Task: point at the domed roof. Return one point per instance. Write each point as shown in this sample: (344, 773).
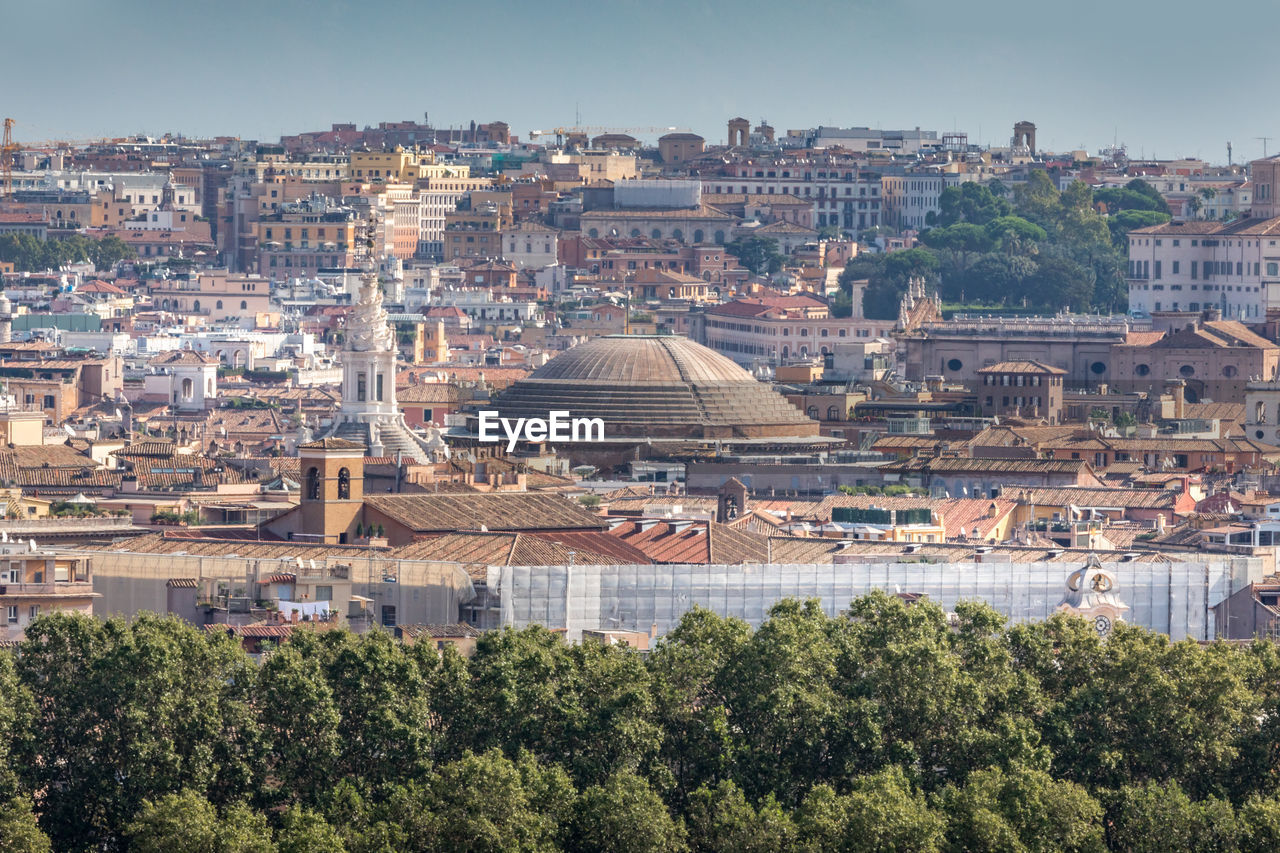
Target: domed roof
(655, 387)
(641, 360)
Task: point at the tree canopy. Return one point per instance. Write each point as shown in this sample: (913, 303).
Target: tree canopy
(30, 254)
(886, 727)
(1033, 247)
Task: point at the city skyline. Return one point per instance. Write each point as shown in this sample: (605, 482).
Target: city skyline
(693, 67)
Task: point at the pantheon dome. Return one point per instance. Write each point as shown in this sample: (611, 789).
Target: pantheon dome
(655, 387)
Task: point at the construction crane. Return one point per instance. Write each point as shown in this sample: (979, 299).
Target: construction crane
(560, 133)
(8, 148)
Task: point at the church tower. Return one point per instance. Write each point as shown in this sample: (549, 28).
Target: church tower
(332, 491)
(369, 414)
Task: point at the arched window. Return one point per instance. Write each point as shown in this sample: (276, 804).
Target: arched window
(678, 234)
(219, 304)
(195, 306)
(313, 484)
(697, 235)
(719, 236)
(243, 304)
(344, 484)
(593, 232)
(188, 390)
(813, 412)
(635, 232)
(833, 414)
(656, 234)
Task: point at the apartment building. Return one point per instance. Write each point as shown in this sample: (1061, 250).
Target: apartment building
(842, 195)
(1194, 265)
(33, 583)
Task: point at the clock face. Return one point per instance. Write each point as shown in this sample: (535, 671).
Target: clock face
(1102, 624)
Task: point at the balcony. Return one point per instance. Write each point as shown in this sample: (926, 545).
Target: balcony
(78, 589)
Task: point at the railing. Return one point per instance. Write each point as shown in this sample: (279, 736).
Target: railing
(23, 526)
(78, 588)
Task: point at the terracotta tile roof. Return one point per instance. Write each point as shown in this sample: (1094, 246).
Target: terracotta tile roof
(331, 444)
(458, 630)
(523, 549)
(428, 392)
(691, 541)
(173, 542)
(948, 464)
(1086, 498)
(1247, 227)
(1023, 367)
(183, 356)
(259, 631)
(182, 583)
(430, 513)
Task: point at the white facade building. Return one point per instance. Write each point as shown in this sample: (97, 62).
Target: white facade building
(530, 245)
(1193, 265)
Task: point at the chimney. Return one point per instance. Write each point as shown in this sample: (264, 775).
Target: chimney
(1160, 528)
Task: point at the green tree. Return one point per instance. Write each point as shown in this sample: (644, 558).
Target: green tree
(781, 699)
(188, 823)
(16, 713)
(305, 831)
(300, 723)
(624, 815)
(944, 700)
(1258, 820)
(971, 202)
(130, 711)
(882, 812)
(1022, 810)
(587, 706)
(720, 818)
(689, 671)
(1158, 817)
(758, 254)
(479, 803)
(378, 690)
(19, 830)
(1111, 705)
(109, 251)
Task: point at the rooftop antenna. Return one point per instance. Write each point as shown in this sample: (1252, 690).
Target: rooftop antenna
(1265, 140)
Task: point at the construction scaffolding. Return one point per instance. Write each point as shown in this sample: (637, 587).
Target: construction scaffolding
(1173, 597)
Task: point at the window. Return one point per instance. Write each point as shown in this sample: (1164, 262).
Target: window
(954, 364)
(1187, 370)
(1142, 369)
(313, 483)
(33, 611)
(1098, 368)
(12, 613)
(243, 304)
(344, 484)
(388, 615)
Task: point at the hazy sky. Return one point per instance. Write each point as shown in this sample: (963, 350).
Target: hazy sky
(1168, 78)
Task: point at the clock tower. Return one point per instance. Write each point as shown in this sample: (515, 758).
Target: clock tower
(1091, 595)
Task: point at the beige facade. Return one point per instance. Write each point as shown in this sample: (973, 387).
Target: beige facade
(34, 582)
